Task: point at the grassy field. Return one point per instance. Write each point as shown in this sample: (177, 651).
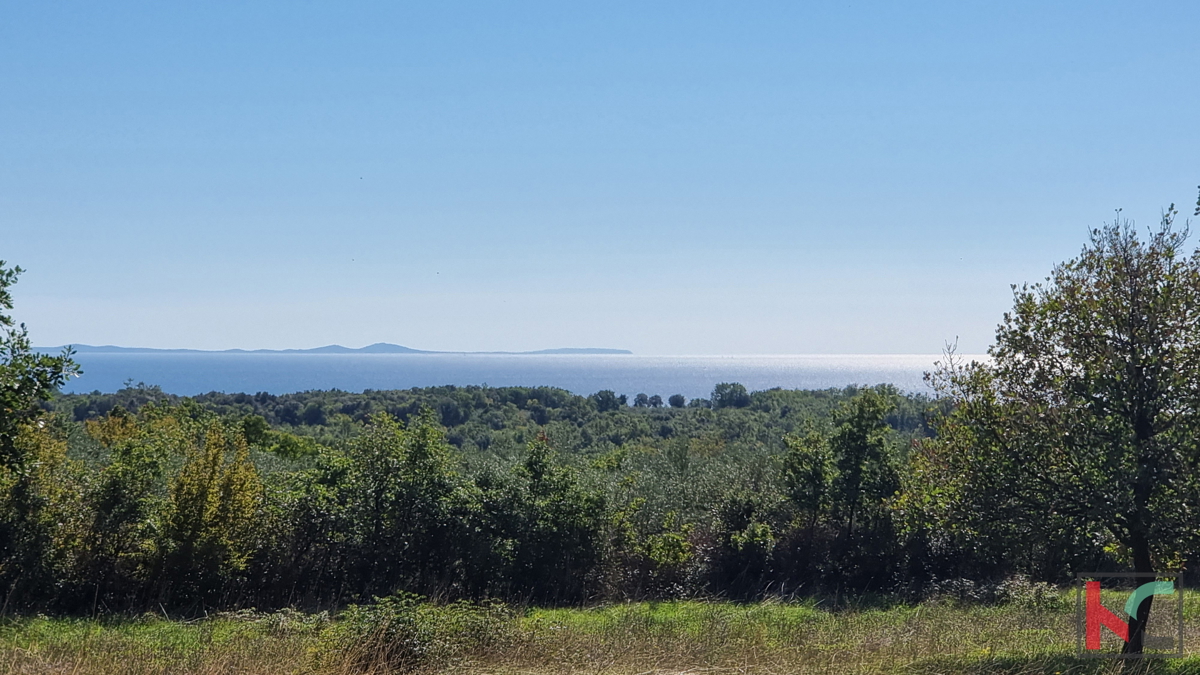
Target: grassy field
(632, 639)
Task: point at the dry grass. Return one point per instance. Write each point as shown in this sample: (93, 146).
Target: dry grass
(635, 639)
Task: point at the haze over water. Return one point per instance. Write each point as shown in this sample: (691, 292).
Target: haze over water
(692, 376)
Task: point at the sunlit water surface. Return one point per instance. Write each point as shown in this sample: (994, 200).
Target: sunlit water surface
(692, 376)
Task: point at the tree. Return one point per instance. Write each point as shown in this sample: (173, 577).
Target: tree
(864, 459)
(607, 399)
(656, 401)
(30, 456)
(39, 514)
(730, 395)
(1088, 417)
(641, 401)
(677, 401)
(122, 501)
(842, 480)
(808, 469)
(400, 492)
(546, 526)
(214, 507)
(26, 377)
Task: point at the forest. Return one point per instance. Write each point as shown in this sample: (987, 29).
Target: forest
(529, 495)
(536, 495)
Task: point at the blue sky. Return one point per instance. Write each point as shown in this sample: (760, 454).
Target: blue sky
(671, 178)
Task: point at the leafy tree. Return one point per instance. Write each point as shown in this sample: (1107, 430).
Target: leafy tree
(843, 479)
(606, 400)
(313, 414)
(656, 401)
(864, 456)
(730, 395)
(551, 525)
(746, 542)
(641, 401)
(808, 470)
(1088, 416)
(399, 491)
(26, 377)
(256, 430)
(214, 507)
(259, 435)
(31, 457)
(123, 503)
(39, 513)
(677, 401)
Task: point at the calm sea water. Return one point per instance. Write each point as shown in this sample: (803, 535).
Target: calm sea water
(692, 376)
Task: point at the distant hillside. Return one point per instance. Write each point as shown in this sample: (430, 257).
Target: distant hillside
(377, 348)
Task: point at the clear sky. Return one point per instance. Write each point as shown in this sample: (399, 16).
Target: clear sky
(666, 177)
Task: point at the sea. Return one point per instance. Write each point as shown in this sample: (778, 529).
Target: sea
(193, 373)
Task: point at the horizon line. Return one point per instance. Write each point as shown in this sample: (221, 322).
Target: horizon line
(404, 350)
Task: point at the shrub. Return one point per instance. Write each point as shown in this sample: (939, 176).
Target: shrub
(1015, 590)
(402, 633)
(1031, 595)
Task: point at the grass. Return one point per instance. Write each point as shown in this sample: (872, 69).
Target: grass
(627, 639)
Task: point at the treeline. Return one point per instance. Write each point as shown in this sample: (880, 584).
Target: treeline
(502, 420)
(140, 500)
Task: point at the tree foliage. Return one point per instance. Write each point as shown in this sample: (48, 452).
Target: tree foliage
(33, 465)
(26, 376)
(730, 395)
(1087, 419)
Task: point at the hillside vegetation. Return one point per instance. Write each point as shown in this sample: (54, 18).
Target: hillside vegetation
(319, 499)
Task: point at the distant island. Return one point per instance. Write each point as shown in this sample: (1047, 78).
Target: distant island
(377, 348)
